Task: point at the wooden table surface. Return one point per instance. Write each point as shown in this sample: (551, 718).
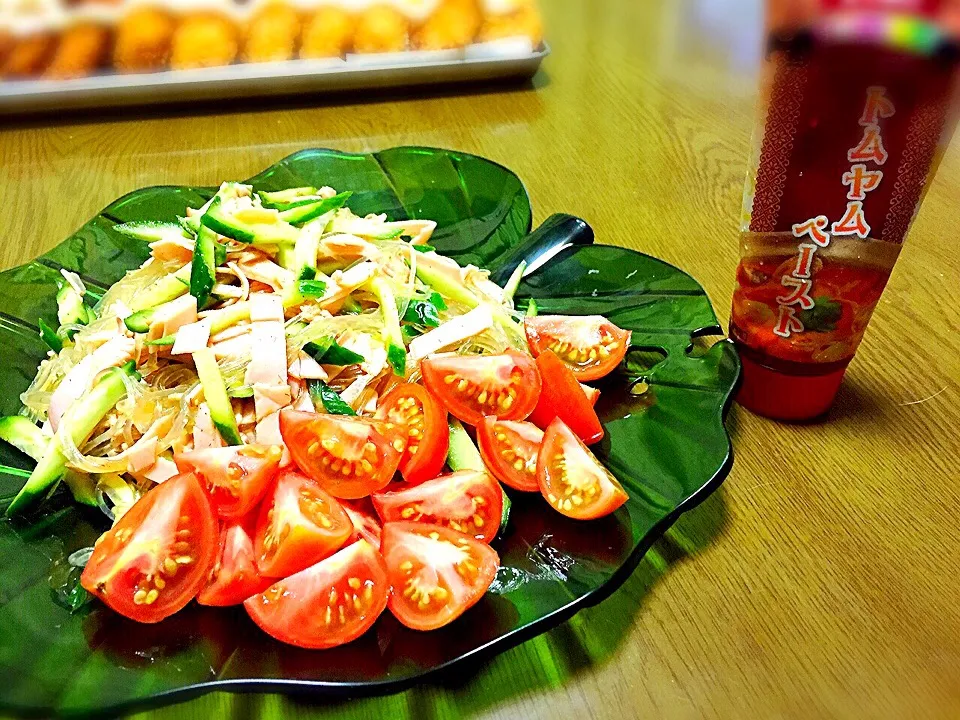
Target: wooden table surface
(821, 580)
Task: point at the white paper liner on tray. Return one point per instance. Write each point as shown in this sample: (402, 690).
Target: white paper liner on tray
(511, 47)
(406, 57)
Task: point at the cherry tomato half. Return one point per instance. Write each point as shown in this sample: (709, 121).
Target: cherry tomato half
(572, 480)
(425, 420)
(327, 604)
(590, 345)
(235, 477)
(436, 573)
(563, 397)
(156, 558)
(471, 386)
(509, 449)
(299, 525)
(234, 576)
(350, 457)
(468, 501)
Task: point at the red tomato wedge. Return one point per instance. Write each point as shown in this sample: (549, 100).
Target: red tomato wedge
(350, 457)
(468, 501)
(590, 345)
(156, 558)
(572, 480)
(300, 524)
(471, 386)
(366, 525)
(236, 478)
(592, 394)
(234, 576)
(436, 573)
(425, 421)
(327, 604)
(563, 397)
(509, 449)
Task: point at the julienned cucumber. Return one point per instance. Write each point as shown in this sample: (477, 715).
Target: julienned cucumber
(71, 309)
(167, 288)
(151, 230)
(284, 198)
(218, 219)
(463, 455)
(396, 352)
(307, 212)
(30, 440)
(215, 393)
(203, 273)
(79, 420)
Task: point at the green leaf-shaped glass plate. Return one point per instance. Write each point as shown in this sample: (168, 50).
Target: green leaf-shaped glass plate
(665, 441)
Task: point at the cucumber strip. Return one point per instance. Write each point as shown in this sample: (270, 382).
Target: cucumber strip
(243, 391)
(203, 272)
(139, 322)
(283, 198)
(151, 230)
(165, 341)
(510, 289)
(396, 351)
(463, 454)
(329, 399)
(79, 420)
(532, 308)
(81, 486)
(305, 213)
(254, 233)
(425, 311)
(167, 288)
(286, 257)
(49, 336)
(24, 435)
(215, 393)
(328, 351)
(423, 248)
(311, 288)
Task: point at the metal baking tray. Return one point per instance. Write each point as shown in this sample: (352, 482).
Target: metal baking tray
(294, 77)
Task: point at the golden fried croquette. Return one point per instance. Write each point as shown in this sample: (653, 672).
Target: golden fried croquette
(204, 39)
(454, 24)
(381, 29)
(524, 21)
(143, 40)
(29, 56)
(328, 32)
(273, 33)
(82, 49)
(7, 43)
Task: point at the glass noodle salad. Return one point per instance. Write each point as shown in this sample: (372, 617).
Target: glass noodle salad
(271, 412)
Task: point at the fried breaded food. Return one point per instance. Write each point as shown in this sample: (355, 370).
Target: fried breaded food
(143, 40)
(381, 29)
(328, 32)
(524, 21)
(454, 24)
(29, 56)
(273, 33)
(205, 39)
(7, 43)
(82, 50)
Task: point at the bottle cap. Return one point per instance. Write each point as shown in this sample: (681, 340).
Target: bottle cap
(785, 396)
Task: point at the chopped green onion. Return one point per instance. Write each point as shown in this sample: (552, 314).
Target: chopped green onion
(312, 288)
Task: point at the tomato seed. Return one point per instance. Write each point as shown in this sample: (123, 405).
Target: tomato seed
(406, 566)
(354, 583)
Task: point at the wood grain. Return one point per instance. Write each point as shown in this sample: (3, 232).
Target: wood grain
(821, 581)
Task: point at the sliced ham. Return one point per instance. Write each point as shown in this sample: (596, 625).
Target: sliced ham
(205, 434)
(162, 470)
(191, 338)
(174, 248)
(268, 399)
(113, 353)
(373, 351)
(348, 247)
(268, 433)
(237, 346)
(268, 355)
(304, 403)
(351, 394)
(266, 307)
(452, 332)
(171, 316)
(259, 268)
(144, 456)
(342, 283)
(120, 310)
(306, 368)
